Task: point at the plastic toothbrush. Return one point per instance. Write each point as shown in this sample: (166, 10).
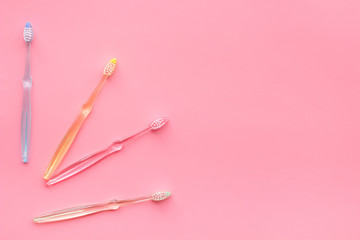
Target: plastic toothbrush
(90, 160)
(72, 132)
(26, 105)
(95, 208)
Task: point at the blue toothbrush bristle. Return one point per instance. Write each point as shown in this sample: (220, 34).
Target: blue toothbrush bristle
(28, 32)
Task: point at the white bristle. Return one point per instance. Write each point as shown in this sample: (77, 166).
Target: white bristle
(28, 33)
(158, 123)
(159, 196)
(110, 67)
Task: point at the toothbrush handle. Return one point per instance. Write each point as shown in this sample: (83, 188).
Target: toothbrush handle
(77, 212)
(72, 132)
(85, 163)
(26, 123)
(65, 143)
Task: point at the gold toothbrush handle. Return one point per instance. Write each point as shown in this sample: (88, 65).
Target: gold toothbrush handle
(88, 209)
(64, 145)
(77, 212)
(72, 132)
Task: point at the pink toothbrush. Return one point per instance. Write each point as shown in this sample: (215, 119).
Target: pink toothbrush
(95, 208)
(96, 157)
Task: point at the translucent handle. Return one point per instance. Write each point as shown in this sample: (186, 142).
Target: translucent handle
(77, 212)
(26, 123)
(65, 144)
(72, 132)
(83, 164)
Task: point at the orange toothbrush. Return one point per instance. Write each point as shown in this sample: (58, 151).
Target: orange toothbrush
(74, 129)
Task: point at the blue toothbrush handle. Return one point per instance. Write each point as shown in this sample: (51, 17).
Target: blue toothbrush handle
(26, 123)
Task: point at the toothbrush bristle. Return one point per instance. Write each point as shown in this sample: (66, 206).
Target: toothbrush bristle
(158, 123)
(28, 33)
(110, 67)
(159, 196)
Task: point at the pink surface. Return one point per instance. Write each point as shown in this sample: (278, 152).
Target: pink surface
(263, 100)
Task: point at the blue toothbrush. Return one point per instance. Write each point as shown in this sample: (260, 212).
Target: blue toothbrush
(26, 105)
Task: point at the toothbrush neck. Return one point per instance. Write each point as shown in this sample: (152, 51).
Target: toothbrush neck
(133, 137)
(27, 61)
(95, 93)
(134, 200)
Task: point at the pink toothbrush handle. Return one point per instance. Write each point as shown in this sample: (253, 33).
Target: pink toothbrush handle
(77, 212)
(85, 163)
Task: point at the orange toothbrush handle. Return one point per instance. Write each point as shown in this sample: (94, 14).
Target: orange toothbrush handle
(64, 145)
(72, 132)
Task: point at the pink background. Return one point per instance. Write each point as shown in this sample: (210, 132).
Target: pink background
(263, 100)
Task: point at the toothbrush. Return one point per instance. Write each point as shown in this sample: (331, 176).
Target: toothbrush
(95, 208)
(90, 160)
(26, 105)
(72, 132)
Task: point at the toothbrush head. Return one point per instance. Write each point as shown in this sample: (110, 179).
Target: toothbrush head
(159, 196)
(110, 67)
(158, 123)
(28, 33)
